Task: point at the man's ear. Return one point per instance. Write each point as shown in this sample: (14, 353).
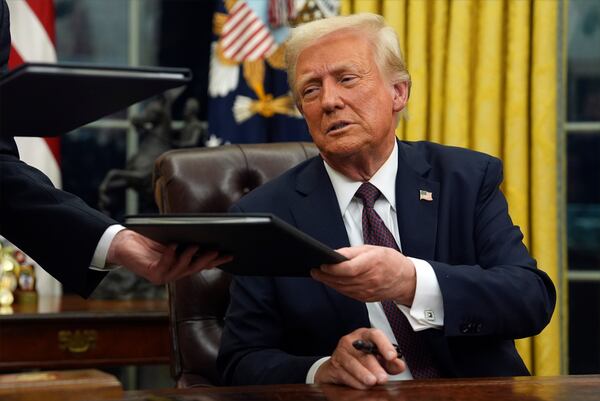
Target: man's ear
(299, 106)
(400, 95)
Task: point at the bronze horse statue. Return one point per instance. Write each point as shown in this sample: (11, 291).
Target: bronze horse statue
(154, 128)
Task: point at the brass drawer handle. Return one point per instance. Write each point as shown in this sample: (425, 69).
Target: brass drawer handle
(77, 342)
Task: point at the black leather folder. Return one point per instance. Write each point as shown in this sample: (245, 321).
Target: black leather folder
(41, 99)
(261, 244)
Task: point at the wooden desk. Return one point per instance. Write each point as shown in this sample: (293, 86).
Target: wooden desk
(70, 332)
(561, 388)
(64, 385)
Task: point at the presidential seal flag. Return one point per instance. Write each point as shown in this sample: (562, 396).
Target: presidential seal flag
(249, 98)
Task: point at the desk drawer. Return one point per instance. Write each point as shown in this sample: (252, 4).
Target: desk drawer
(61, 343)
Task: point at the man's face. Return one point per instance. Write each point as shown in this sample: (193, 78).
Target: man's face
(348, 104)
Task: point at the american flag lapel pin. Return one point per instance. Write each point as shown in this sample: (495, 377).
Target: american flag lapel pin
(425, 195)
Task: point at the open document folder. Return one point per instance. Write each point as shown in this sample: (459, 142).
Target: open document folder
(261, 244)
(40, 99)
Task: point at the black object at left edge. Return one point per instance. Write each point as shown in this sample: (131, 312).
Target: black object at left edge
(42, 99)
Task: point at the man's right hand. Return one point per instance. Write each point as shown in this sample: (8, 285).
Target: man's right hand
(156, 262)
(358, 369)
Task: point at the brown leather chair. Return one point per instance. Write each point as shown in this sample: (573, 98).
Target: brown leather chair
(202, 180)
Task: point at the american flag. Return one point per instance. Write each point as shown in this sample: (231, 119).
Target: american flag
(32, 40)
(281, 11)
(245, 36)
(425, 195)
(32, 36)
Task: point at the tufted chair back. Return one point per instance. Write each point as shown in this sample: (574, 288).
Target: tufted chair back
(206, 180)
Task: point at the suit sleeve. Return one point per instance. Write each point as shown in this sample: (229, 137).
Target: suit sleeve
(57, 229)
(253, 341)
(503, 295)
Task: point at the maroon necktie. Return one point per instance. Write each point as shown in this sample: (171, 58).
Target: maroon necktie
(410, 342)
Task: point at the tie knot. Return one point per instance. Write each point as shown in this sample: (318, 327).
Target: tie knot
(368, 193)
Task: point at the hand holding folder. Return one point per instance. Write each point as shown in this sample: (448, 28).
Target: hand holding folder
(52, 99)
(261, 244)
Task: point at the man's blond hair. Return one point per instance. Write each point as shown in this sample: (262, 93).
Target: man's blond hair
(388, 55)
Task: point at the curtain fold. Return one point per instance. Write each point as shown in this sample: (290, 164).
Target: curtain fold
(516, 135)
(439, 17)
(485, 76)
(543, 196)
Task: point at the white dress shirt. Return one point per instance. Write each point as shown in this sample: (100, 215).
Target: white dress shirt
(427, 309)
(99, 258)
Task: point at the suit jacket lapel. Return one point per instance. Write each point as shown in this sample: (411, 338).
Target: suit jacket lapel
(317, 213)
(417, 218)
(316, 210)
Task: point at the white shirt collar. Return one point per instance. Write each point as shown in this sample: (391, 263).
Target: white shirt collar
(384, 179)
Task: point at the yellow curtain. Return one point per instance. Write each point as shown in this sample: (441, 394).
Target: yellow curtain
(485, 76)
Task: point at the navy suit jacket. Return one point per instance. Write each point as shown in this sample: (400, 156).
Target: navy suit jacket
(276, 328)
(57, 229)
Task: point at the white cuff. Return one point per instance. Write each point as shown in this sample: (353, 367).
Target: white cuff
(99, 258)
(427, 310)
(310, 376)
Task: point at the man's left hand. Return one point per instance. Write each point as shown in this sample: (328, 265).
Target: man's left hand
(372, 273)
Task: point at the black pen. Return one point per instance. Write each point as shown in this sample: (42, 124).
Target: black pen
(369, 348)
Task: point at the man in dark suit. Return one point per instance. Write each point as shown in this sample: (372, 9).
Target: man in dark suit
(70, 240)
(445, 273)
